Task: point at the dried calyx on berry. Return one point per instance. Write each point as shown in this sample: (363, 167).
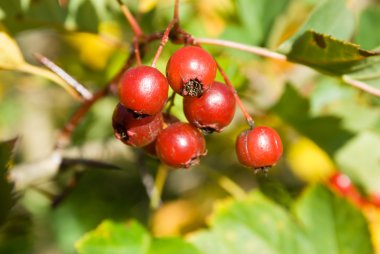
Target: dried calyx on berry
(191, 71)
(134, 131)
(213, 111)
(143, 90)
(259, 148)
(180, 145)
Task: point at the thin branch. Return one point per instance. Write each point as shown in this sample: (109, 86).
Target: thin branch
(136, 50)
(251, 49)
(361, 85)
(243, 109)
(164, 40)
(159, 183)
(131, 20)
(176, 10)
(146, 178)
(78, 87)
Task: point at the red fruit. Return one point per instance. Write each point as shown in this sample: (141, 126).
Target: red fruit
(212, 111)
(259, 148)
(180, 145)
(134, 131)
(190, 71)
(343, 185)
(144, 90)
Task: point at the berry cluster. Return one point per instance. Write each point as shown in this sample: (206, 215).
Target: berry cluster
(209, 106)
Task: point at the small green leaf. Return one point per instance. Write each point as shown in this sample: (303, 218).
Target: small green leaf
(10, 54)
(112, 238)
(172, 246)
(329, 17)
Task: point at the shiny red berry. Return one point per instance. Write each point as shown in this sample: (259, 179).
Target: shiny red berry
(190, 71)
(180, 145)
(144, 90)
(259, 148)
(134, 131)
(213, 111)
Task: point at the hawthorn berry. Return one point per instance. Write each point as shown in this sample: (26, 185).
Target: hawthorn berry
(134, 131)
(213, 111)
(259, 148)
(143, 90)
(180, 145)
(190, 71)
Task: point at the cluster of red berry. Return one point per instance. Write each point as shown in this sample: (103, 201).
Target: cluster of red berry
(208, 105)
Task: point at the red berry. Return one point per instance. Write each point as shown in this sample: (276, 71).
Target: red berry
(212, 111)
(259, 148)
(144, 90)
(190, 71)
(180, 145)
(134, 131)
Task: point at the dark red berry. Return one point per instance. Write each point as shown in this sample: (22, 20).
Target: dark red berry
(144, 90)
(259, 148)
(190, 71)
(180, 145)
(134, 131)
(212, 111)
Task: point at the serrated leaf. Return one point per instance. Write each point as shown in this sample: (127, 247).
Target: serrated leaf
(325, 131)
(110, 237)
(10, 54)
(329, 17)
(322, 223)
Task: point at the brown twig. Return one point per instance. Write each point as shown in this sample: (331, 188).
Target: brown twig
(136, 50)
(131, 20)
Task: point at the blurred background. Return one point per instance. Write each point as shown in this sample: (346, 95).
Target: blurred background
(327, 127)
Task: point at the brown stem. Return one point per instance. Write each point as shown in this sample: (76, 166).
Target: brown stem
(164, 40)
(81, 90)
(243, 109)
(136, 50)
(131, 20)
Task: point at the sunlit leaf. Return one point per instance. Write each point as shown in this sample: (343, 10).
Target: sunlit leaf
(10, 54)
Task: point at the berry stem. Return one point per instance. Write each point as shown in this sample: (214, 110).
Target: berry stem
(243, 109)
(78, 87)
(131, 20)
(164, 40)
(159, 183)
(361, 85)
(252, 49)
(171, 103)
(136, 50)
(176, 10)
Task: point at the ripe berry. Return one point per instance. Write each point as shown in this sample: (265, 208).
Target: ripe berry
(180, 145)
(190, 71)
(133, 131)
(144, 90)
(212, 111)
(259, 148)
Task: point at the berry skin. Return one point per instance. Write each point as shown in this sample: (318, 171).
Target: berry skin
(213, 111)
(259, 148)
(190, 71)
(180, 145)
(144, 90)
(136, 132)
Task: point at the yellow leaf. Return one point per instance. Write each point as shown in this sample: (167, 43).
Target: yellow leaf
(10, 54)
(309, 162)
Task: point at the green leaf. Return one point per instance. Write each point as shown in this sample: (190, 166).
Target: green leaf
(10, 54)
(326, 131)
(334, 57)
(330, 17)
(332, 224)
(7, 200)
(110, 237)
(367, 35)
(321, 223)
(360, 159)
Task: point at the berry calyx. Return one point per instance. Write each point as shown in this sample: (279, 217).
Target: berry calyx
(143, 90)
(213, 111)
(191, 71)
(180, 145)
(134, 131)
(259, 148)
